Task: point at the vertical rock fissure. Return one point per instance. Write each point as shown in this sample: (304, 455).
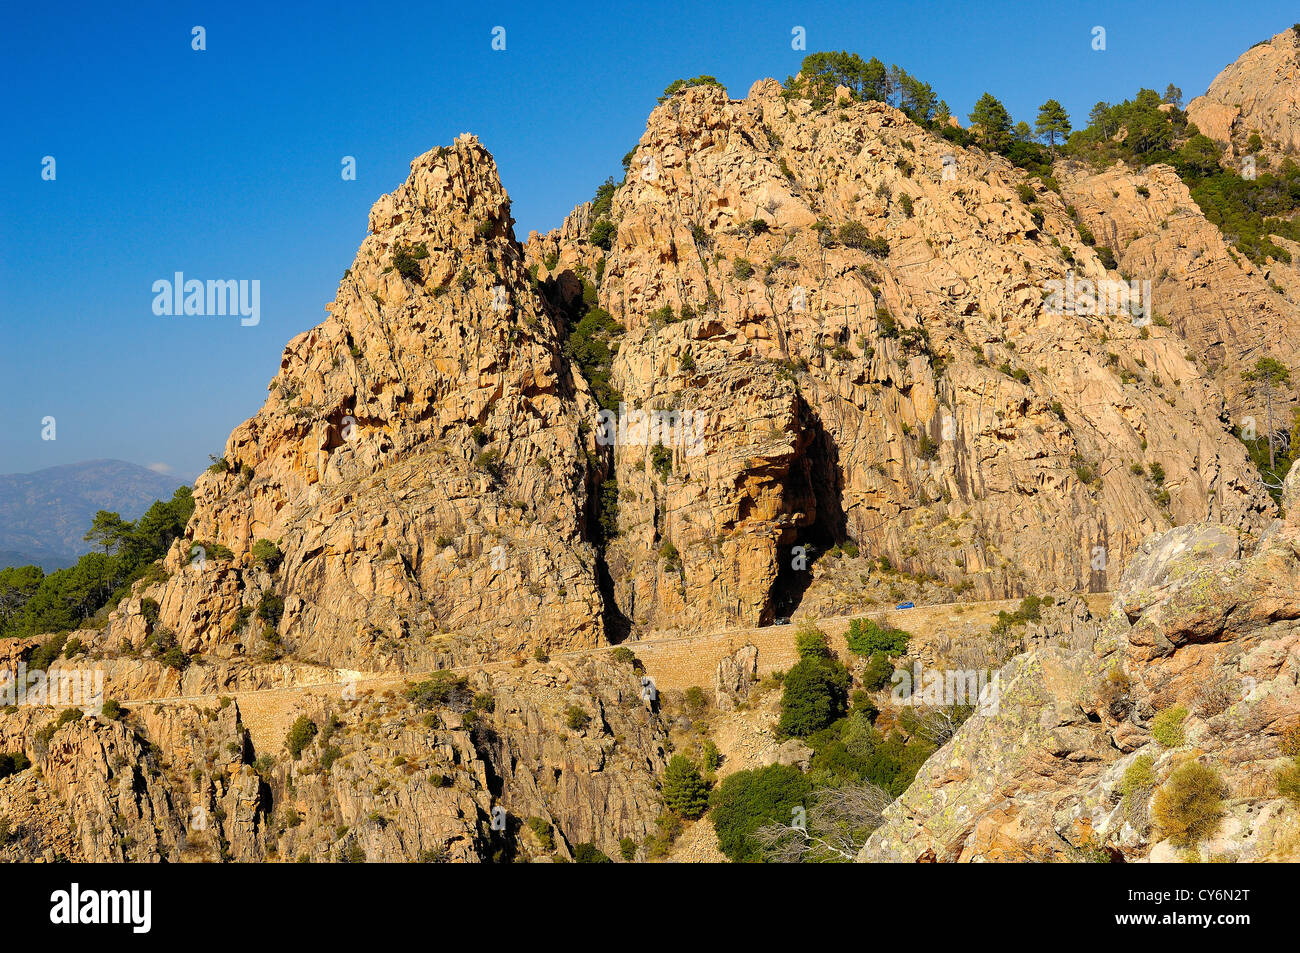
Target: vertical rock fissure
(814, 491)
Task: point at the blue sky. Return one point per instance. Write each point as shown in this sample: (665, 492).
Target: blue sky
(226, 163)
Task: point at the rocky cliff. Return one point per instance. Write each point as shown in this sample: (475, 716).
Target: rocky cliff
(1229, 312)
(1196, 663)
(1258, 93)
(860, 313)
(383, 777)
(419, 461)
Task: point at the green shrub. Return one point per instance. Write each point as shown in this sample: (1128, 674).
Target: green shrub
(45, 653)
(602, 234)
(888, 326)
(696, 701)
(661, 460)
(441, 689)
(270, 608)
(1187, 807)
(627, 848)
(268, 554)
(878, 672)
(815, 693)
(747, 800)
(590, 854)
(625, 656)
(489, 461)
(111, 709)
(812, 643)
(1139, 778)
(711, 755)
(160, 640)
(175, 658)
(13, 762)
(407, 258)
(867, 638)
(542, 829)
(677, 85)
(576, 719)
(217, 552)
(300, 735)
(685, 792)
(853, 235)
(327, 758)
(1167, 726)
(661, 316)
(1031, 607)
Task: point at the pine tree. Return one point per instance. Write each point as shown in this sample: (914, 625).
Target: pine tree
(1099, 117)
(994, 122)
(1052, 121)
(685, 792)
(1268, 373)
(108, 530)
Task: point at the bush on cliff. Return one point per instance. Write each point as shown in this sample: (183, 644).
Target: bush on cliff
(816, 693)
(685, 792)
(1188, 807)
(747, 800)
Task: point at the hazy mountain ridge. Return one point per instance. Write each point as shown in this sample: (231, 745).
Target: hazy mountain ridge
(45, 514)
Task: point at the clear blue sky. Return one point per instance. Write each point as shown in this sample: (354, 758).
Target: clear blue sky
(226, 163)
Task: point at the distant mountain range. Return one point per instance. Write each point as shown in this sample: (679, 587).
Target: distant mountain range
(44, 515)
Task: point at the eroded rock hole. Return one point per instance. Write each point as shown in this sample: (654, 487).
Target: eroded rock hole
(814, 490)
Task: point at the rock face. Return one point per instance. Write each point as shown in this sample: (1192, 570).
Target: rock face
(1050, 774)
(736, 674)
(418, 461)
(383, 780)
(1229, 312)
(857, 321)
(1260, 92)
(414, 495)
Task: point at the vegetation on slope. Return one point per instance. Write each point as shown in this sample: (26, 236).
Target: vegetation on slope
(32, 602)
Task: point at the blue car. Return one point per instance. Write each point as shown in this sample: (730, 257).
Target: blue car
(905, 605)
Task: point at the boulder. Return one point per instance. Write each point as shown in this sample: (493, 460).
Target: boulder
(735, 674)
